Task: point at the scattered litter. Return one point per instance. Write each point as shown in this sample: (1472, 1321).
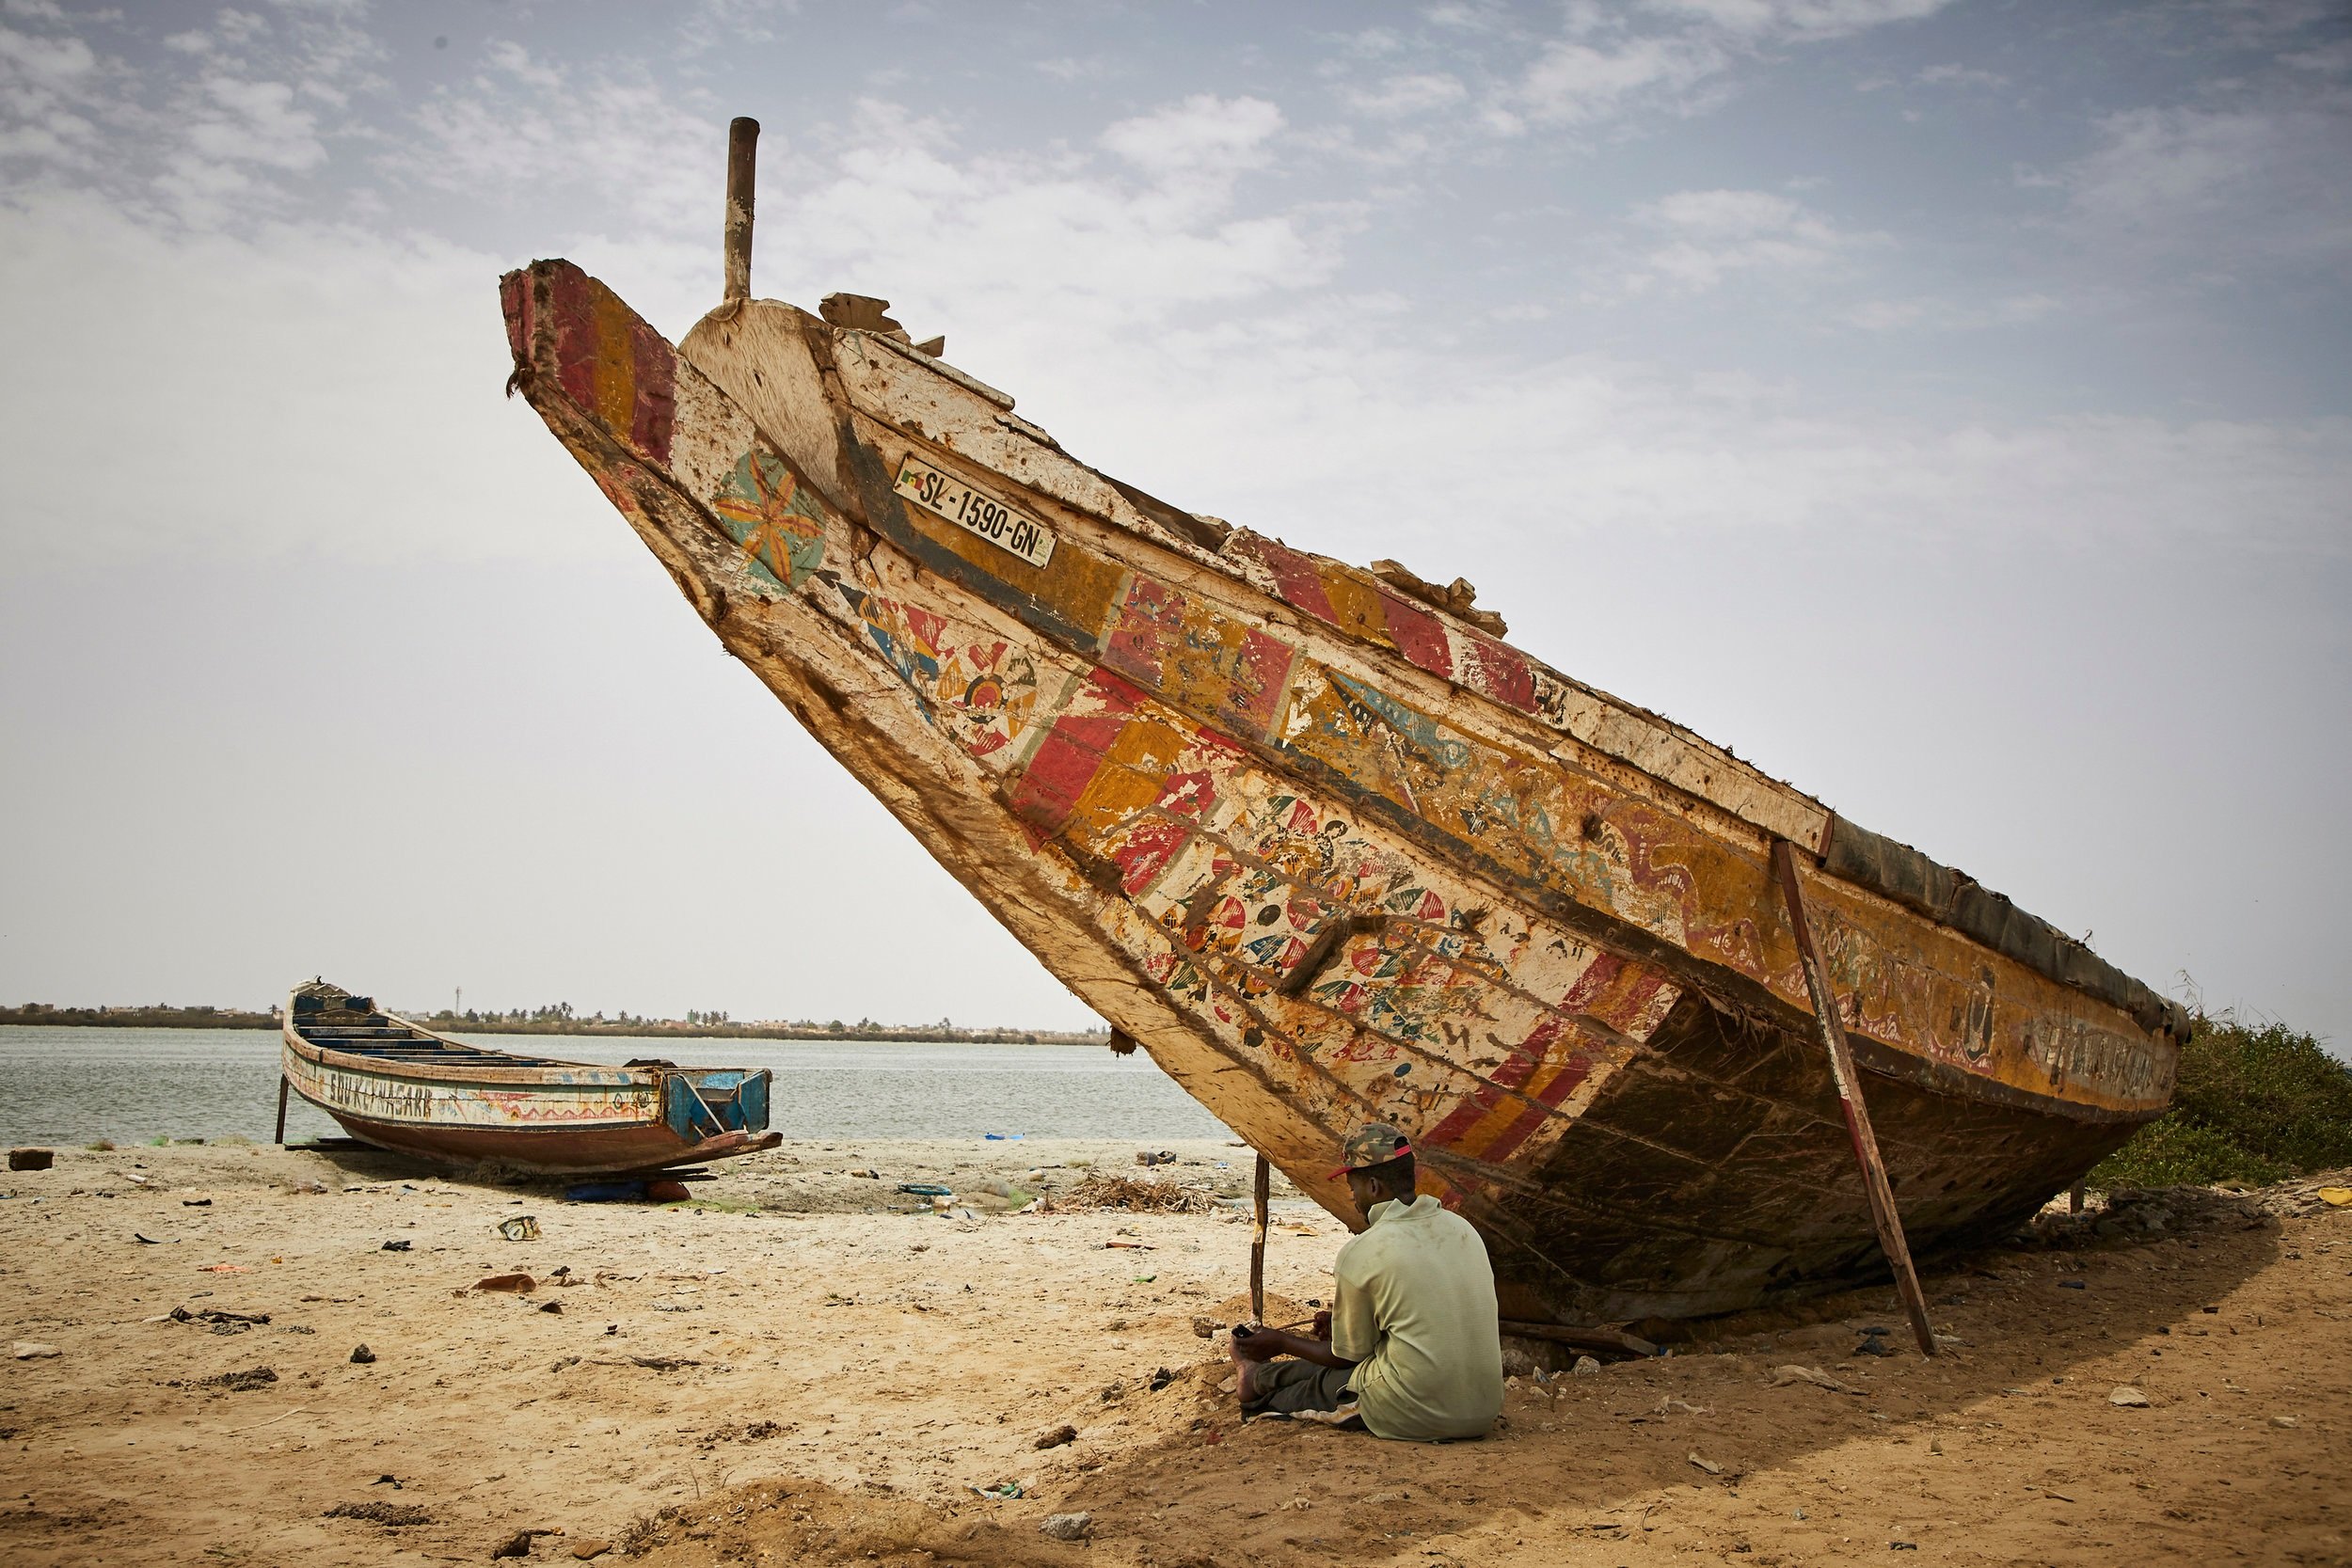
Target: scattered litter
(590, 1548)
(1004, 1137)
(2128, 1397)
(1067, 1526)
(1143, 1279)
(664, 1363)
(361, 1356)
(1004, 1491)
(1102, 1190)
(2335, 1197)
(400, 1245)
(1873, 1343)
(196, 1203)
(1707, 1464)
(145, 1241)
(393, 1515)
(2289, 1421)
(1145, 1157)
(31, 1158)
(222, 1268)
(386, 1480)
(32, 1350)
(1672, 1407)
(520, 1228)
(677, 1305)
(550, 1307)
(519, 1283)
(1783, 1376)
(1131, 1246)
(667, 1192)
(2072, 1285)
(1056, 1439)
(927, 1189)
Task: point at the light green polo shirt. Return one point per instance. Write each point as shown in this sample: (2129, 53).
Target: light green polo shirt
(1415, 1310)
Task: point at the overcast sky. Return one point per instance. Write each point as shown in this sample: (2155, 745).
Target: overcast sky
(1946, 405)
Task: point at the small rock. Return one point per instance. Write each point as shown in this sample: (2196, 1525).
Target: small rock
(1067, 1526)
(1204, 1328)
(1585, 1366)
(31, 1158)
(361, 1356)
(400, 1245)
(1707, 1464)
(28, 1350)
(245, 1381)
(516, 1545)
(1056, 1439)
(550, 1307)
(2287, 1420)
(590, 1547)
(396, 1515)
(2128, 1397)
(311, 1189)
(520, 1284)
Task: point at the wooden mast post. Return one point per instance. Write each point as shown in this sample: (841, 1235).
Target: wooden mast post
(1257, 1243)
(742, 160)
(281, 1110)
(1866, 1147)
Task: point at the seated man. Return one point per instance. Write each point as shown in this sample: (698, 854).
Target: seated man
(1413, 1341)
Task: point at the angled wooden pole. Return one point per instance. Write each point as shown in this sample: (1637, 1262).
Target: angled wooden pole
(281, 1110)
(1257, 1244)
(742, 162)
(1865, 1145)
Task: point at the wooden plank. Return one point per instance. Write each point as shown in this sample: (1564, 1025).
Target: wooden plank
(742, 162)
(1257, 1242)
(1865, 1148)
(1610, 1341)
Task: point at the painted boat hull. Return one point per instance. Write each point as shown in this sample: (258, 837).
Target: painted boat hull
(1331, 851)
(389, 1082)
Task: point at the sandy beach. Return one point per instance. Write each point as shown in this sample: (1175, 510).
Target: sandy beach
(786, 1371)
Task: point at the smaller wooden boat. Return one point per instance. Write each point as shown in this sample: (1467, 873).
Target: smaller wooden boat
(402, 1088)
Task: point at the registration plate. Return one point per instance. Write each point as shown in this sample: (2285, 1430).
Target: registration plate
(991, 519)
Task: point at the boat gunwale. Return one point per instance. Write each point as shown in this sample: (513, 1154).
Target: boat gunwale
(2068, 961)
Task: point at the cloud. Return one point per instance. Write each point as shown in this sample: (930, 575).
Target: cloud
(1204, 134)
(1690, 241)
(2223, 190)
(1798, 19)
(1410, 94)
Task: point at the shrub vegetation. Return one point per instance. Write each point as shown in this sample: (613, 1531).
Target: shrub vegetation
(2257, 1102)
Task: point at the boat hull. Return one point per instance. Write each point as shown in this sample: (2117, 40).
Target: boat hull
(1330, 856)
(401, 1087)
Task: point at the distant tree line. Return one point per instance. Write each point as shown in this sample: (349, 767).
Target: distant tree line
(560, 1017)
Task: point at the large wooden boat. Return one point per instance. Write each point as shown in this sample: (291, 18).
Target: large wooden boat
(1329, 848)
(403, 1087)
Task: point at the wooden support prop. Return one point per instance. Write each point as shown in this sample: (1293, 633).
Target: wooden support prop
(281, 1110)
(2075, 1199)
(1865, 1144)
(1257, 1243)
(742, 160)
(1597, 1342)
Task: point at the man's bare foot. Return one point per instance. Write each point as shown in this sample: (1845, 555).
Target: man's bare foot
(1245, 1367)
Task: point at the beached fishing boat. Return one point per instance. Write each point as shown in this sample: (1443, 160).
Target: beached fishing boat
(403, 1087)
(1331, 849)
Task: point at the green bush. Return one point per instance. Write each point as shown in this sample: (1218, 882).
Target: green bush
(2256, 1103)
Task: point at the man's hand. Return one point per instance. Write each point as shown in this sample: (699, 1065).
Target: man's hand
(1323, 1325)
(1260, 1344)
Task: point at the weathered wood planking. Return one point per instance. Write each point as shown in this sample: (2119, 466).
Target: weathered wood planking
(1328, 852)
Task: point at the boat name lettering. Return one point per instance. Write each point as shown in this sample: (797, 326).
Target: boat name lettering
(968, 509)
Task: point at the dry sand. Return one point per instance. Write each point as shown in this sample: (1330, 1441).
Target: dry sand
(828, 1380)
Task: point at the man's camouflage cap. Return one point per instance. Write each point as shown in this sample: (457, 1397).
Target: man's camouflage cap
(1372, 1142)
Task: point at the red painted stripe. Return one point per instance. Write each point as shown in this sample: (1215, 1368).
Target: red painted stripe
(1295, 578)
(1472, 1107)
(656, 384)
(1072, 753)
(1417, 635)
(1563, 1083)
(1499, 672)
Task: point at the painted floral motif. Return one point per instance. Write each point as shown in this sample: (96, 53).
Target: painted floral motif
(764, 508)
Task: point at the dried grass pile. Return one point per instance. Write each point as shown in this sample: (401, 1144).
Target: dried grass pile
(1136, 1193)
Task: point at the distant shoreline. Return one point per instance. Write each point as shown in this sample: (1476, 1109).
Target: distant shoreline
(37, 1014)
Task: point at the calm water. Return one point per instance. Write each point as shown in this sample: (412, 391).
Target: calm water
(74, 1085)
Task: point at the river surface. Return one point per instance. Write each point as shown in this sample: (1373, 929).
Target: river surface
(73, 1087)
